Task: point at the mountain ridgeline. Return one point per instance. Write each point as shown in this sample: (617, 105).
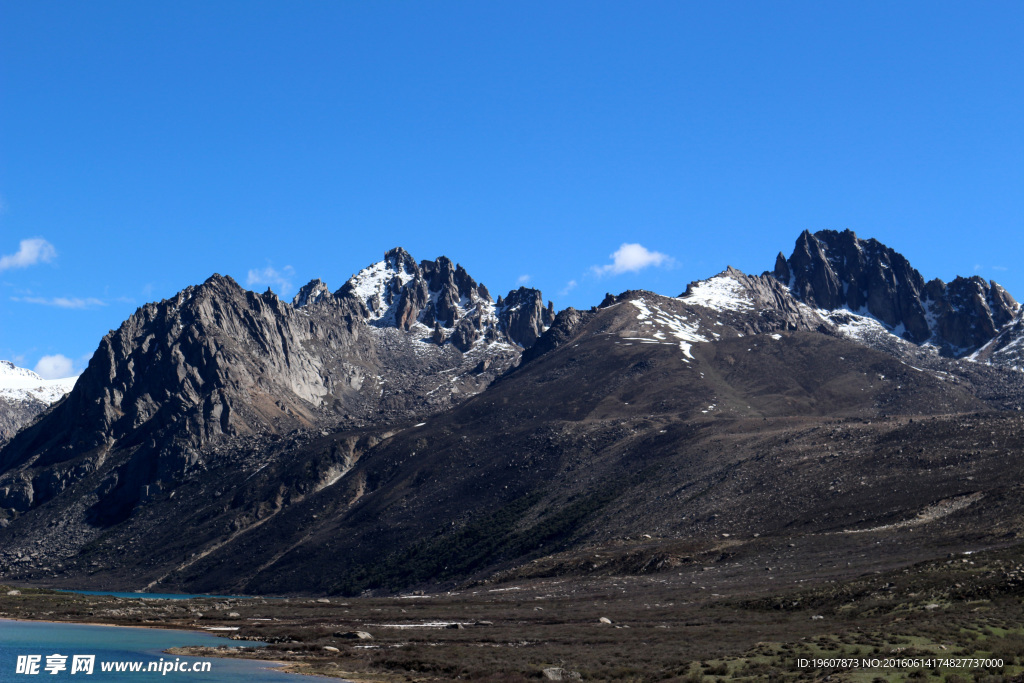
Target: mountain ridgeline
(408, 429)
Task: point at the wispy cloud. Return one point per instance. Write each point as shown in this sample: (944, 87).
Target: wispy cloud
(999, 268)
(56, 366)
(30, 252)
(61, 301)
(523, 279)
(270, 276)
(632, 258)
(569, 286)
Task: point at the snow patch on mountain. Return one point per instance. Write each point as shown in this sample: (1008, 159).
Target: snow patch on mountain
(720, 293)
(679, 326)
(377, 287)
(861, 326)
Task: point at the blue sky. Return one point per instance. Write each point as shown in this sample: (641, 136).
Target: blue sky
(145, 146)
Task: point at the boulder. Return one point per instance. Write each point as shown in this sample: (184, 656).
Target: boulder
(353, 635)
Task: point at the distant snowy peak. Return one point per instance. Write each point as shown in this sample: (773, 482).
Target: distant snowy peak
(21, 384)
(439, 300)
(832, 270)
(9, 372)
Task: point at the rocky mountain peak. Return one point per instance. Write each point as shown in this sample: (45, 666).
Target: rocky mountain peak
(398, 259)
(444, 303)
(832, 270)
(314, 292)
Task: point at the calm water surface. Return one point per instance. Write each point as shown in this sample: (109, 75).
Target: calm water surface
(119, 644)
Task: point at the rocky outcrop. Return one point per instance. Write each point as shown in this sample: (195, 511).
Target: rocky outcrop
(833, 270)
(15, 414)
(524, 317)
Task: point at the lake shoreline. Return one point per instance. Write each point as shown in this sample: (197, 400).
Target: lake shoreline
(239, 652)
(150, 644)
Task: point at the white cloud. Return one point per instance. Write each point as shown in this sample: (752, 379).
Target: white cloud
(632, 258)
(55, 367)
(523, 279)
(270, 276)
(999, 268)
(61, 301)
(569, 286)
(30, 252)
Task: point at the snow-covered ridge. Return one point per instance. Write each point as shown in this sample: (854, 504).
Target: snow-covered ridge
(20, 384)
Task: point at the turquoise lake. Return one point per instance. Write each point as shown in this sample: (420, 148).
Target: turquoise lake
(113, 644)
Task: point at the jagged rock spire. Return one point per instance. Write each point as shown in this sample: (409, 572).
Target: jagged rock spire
(312, 293)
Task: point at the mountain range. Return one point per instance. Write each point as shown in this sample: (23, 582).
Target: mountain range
(409, 430)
